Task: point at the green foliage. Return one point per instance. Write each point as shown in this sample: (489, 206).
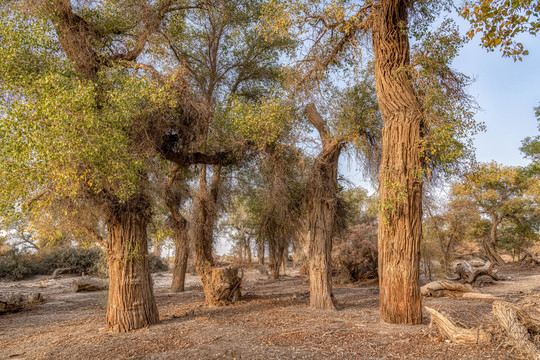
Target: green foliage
(263, 122)
(16, 265)
(449, 123)
(500, 21)
(64, 136)
(507, 196)
(530, 147)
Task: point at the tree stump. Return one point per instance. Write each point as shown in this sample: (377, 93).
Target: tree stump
(13, 302)
(88, 284)
(222, 286)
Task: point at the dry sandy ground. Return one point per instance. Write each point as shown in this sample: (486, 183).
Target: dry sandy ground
(272, 321)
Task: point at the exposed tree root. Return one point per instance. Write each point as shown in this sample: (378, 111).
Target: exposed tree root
(456, 334)
(518, 323)
(515, 323)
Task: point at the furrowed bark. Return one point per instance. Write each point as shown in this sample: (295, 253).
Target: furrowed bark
(322, 199)
(131, 304)
(400, 215)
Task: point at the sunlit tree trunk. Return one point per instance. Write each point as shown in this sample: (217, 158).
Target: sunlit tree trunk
(322, 200)
(400, 185)
(490, 244)
(131, 304)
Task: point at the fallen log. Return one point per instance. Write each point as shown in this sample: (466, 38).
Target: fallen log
(13, 302)
(510, 318)
(57, 272)
(457, 334)
(470, 273)
(445, 288)
(88, 284)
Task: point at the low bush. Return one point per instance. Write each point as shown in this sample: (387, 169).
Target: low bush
(356, 258)
(157, 263)
(15, 265)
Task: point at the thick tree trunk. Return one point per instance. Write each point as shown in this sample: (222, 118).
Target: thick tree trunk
(322, 199)
(400, 215)
(490, 244)
(131, 303)
(181, 254)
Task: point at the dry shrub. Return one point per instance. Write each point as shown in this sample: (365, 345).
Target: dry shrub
(304, 269)
(355, 258)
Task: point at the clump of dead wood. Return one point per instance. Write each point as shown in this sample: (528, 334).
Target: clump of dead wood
(469, 273)
(518, 325)
(13, 302)
(530, 259)
(452, 289)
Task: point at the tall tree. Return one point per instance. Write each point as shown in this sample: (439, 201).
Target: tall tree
(338, 28)
(499, 193)
(322, 191)
(227, 61)
(83, 120)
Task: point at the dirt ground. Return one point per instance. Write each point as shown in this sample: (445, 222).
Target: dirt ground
(272, 321)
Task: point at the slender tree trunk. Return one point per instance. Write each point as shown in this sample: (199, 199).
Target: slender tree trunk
(131, 303)
(322, 199)
(260, 251)
(490, 244)
(181, 254)
(400, 192)
(248, 249)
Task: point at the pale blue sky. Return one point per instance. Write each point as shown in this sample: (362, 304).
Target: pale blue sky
(506, 91)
